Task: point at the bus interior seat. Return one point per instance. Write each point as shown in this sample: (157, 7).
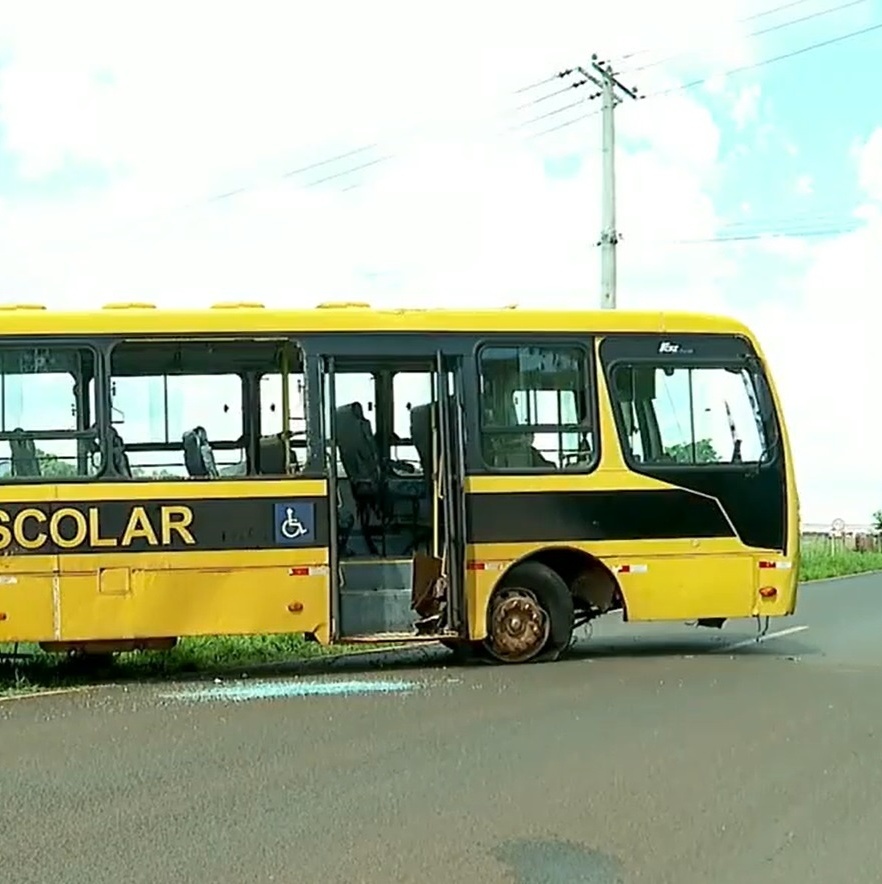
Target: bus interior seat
(421, 433)
(272, 455)
(358, 449)
(511, 451)
(372, 490)
(23, 455)
(361, 460)
(504, 450)
(118, 455)
(585, 452)
(198, 456)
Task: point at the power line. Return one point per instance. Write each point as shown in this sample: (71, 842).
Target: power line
(749, 67)
(809, 233)
(548, 130)
(557, 92)
(692, 84)
(804, 225)
(752, 17)
(292, 172)
(541, 83)
(557, 110)
(845, 216)
(336, 158)
(763, 13)
(768, 30)
(563, 125)
(366, 165)
(562, 109)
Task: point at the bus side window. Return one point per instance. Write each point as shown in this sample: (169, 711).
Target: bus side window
(535, 412)
(48, 391)
(411, 392)
(208, 409)
(272, 421)
(153, 413)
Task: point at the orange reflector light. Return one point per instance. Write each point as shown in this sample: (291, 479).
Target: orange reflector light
(295, 607)
(768, 592)
(2, 615)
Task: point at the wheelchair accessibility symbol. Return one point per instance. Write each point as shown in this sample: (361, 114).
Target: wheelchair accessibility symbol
(292, 527)
(294, 523)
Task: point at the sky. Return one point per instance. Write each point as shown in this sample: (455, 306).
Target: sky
(186, 155)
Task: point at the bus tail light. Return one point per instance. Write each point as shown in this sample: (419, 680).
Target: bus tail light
(768, 592)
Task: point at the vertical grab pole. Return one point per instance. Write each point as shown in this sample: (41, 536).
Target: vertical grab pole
(437, 464)
(329, 442)
(286, 407)
(458, 498)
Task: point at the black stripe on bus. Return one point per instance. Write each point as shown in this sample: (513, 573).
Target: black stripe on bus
(118, 526)
(569, 516)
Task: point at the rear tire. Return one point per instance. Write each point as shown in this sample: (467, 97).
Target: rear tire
(464, 651)
(530, 617)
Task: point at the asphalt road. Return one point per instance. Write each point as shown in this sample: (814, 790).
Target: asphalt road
(650, 755)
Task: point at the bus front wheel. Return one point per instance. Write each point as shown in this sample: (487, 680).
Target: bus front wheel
(530, 615)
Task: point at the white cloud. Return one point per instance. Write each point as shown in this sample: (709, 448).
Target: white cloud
(188, 101)
(824, 352)
(746, 105)
(870, 165)
(183, 103)
(805, 185)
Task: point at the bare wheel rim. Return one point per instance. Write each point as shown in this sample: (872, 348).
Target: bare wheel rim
(519, 626)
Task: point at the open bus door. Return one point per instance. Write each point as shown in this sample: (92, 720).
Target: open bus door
(396, 552)
(438, 580)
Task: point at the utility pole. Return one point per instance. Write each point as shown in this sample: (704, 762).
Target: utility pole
(611, 92)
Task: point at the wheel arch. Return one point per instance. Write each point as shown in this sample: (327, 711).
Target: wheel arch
(593, 585)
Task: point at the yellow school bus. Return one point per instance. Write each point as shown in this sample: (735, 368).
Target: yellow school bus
(490, 479)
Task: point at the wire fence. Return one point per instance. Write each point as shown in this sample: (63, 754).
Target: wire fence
(848, 541)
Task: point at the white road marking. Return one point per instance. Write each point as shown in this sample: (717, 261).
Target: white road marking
(746, 643)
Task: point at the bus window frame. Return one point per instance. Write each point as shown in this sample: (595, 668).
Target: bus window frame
(306, 471)
(584, 344)
(94, 345)
(772, 452)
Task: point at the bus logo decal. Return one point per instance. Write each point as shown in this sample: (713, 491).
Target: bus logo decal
(294, 523)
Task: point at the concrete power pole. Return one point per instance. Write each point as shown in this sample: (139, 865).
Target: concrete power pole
(611, 90)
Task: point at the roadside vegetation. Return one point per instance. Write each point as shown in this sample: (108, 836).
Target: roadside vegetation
(32, 670)
(822, 560)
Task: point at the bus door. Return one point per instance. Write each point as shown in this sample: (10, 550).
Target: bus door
(451, 486)
(394, 448)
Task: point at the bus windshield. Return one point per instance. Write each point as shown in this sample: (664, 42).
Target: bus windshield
(687, 411)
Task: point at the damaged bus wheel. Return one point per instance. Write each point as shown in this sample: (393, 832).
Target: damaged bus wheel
(530, 616)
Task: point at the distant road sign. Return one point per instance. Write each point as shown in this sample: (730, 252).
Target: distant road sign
(838, 526)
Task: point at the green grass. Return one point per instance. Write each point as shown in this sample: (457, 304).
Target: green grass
(42, 671)
(39, 670)
(819, 562)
